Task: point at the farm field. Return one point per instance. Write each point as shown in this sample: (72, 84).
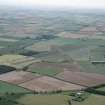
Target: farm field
(47, 45)
(82, 78)
(10, 58)
(45, 83)
(10, 88)
(47, 57)
(18, 77)
(51, 99)
(6, 41)
(98, 54)
(51, 68)
(15, 60)
(44, 99)
(89, 67)
(92, 100)
(37, 82)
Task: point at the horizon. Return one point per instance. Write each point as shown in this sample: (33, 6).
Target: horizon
(65, 4)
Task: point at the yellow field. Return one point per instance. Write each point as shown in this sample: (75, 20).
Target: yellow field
(8, 59)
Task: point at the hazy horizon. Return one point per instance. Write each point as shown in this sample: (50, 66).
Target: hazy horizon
(90, 4)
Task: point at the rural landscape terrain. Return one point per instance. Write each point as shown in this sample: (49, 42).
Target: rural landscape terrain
(50, 57)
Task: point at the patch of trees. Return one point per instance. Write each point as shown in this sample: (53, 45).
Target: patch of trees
(94, 91)
(46, 37)
(29, 53)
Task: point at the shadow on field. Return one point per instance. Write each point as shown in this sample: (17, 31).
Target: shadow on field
(5, 69)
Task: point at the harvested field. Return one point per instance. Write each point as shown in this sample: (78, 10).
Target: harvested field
(10, 58)
(17, 77)
(15, 60)
(82, 78)
(46, 83)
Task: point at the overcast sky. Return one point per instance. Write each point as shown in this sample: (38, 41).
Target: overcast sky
(57, 3)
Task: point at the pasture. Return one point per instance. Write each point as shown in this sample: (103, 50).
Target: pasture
(10, 88)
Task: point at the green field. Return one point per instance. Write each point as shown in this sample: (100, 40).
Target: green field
(44, 99)
(6, 44)
(6, 41)
(86, 66)
(9, 88)
(45, 71)
(98, 54)
(45, 45)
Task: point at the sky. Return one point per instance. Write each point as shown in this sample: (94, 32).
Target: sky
(57, 3)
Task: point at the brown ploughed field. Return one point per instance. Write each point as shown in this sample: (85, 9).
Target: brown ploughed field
(46, 83)
(82, 78)
(57, 66)
(17, 77)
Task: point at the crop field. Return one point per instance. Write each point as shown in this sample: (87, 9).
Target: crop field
(10, 88)
(15, 60)
(4, 59)
(98, 54)
(44, 100)
(48, 68)
(17, 77)
(45, 83)
(48, 45)
(36, 82)
(4, 44)
(82, 49)
(78, 49)
(82, 78)
(47, 55)
(87, 66)
(5, 41)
